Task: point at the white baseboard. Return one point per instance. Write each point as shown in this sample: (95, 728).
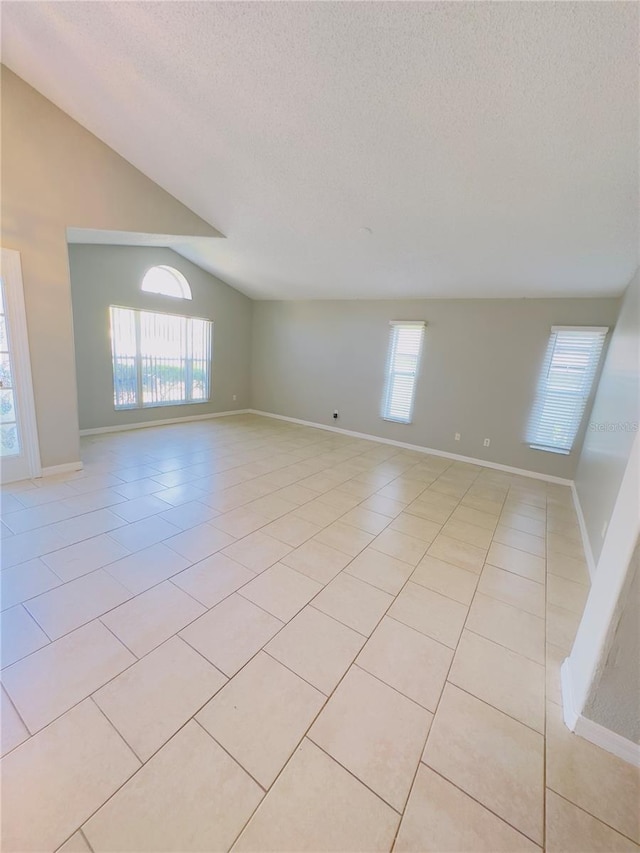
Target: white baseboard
(586, 543)
(163, 422)
(419, 448)
(612, 742)
(65, 468)
(595, 733)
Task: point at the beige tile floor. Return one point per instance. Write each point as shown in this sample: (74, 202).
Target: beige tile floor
(244, 634)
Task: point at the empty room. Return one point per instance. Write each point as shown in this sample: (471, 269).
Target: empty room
(319, 455)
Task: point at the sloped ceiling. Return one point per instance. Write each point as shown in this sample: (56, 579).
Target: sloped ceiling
(367, 149)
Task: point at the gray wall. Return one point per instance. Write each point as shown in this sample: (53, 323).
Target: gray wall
(616, 410)
(615, 702)
(111, 275)
(480, 366)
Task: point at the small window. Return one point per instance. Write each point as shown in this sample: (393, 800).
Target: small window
(568, 372)
(167, 281)
(403, 361)
(159, 359)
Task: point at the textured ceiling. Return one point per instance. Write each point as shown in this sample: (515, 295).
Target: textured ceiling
(491, 148)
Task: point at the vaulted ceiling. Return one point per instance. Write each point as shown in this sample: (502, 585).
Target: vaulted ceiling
(367, 149)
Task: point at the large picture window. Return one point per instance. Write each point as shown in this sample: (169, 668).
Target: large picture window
(159, 359)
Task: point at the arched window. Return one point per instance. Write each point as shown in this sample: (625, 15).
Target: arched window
(167, 281)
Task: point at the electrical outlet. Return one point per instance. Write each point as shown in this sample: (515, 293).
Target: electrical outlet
(234, 397)
(487, 442)
(457, 436)
(335, 414)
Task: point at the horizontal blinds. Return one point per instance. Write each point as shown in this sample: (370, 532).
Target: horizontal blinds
(568, 372)
(405, 346)
(159, 359)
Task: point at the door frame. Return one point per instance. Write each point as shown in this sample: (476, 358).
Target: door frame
(11, 269)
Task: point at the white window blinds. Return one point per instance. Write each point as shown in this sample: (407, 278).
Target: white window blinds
(403, 361)
(159, 359)
(568, 371)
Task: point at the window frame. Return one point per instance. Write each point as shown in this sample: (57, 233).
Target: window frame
(391, 372)
(188, 359)
(574, 401)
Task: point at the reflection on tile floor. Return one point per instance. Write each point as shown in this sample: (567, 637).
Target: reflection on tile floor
(251, 635)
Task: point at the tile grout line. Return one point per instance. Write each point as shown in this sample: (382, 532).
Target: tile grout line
(398, 812)
(502, 645)
(265, 651)
(217, 742)
(26, 727)
(118, 733)
(362, 668)
(115, 636)
(599, 819)
(483, 806)
(86, 840)
(495, 708)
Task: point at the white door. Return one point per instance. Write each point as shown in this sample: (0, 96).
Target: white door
(19, 453)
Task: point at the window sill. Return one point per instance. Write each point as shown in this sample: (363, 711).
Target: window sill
(550, 449)
(160, 405)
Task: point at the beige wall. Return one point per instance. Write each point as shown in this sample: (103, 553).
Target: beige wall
(613, 422)
(480, 365)
(56, 174)
(111, 275)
